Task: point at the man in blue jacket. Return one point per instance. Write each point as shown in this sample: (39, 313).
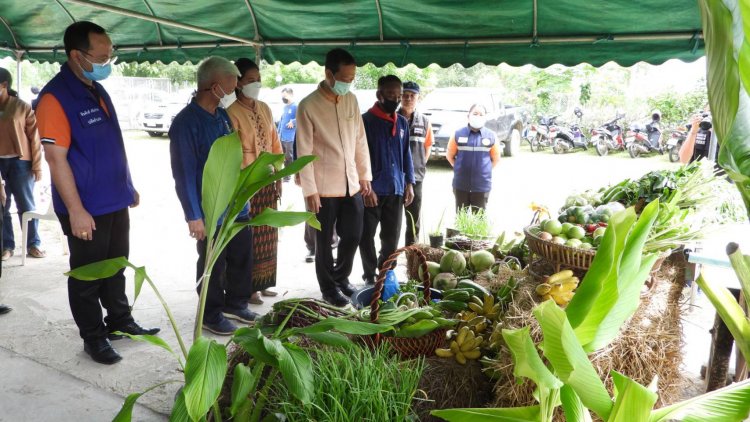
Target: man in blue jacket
(191, 136)
(288, 126)
(393, 175)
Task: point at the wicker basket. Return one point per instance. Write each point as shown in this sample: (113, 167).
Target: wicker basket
(407, 348)
(560, 256)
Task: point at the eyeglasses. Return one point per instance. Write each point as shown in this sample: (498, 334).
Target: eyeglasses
(110, 60)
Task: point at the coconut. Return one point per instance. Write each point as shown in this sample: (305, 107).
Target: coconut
(482, 260)
(453, 261)
(445, 281)
(432, 267)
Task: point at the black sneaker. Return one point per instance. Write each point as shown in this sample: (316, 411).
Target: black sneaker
(347, 289)
(369, 280)
(133, 329)
(337, 299)
(223, 327)
(310, 257)
(101, 351)
(4, 309)
(242, 315)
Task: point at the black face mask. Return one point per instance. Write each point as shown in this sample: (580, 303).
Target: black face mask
(285, 100)
(389, 106)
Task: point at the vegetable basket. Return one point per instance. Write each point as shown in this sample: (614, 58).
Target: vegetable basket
(560, 256)
(406, 348)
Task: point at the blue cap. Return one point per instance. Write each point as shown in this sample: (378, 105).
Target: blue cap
(411, 86)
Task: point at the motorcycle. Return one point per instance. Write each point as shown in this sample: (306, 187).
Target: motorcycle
(608, 137)
(544, 133)
(674, 143)
(568, 139)
(644, 139)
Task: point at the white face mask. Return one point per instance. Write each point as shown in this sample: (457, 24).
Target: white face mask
(477, 122)
(226, 99)
(251, 90)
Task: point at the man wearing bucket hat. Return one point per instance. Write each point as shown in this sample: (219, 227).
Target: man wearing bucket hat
(420, 142)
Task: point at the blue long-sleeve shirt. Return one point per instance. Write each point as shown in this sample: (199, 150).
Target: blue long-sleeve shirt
(289, 115)
(191, 136)
(390, 155)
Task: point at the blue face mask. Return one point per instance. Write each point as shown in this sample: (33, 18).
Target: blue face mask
(340, 88)
(99, 71)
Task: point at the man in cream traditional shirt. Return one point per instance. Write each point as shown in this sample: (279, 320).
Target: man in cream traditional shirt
(329, 126)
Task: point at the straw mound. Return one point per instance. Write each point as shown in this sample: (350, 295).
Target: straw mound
(412, 263)
(446, 385)
(649, 344)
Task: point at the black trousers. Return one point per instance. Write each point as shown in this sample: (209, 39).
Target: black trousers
(310, 238)
(470, 199)
(387, 214)
(288, 148)
(415, 209)
(111, 239)
(344, 215)
(230, 284)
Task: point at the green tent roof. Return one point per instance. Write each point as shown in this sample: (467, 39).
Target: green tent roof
(539, 32)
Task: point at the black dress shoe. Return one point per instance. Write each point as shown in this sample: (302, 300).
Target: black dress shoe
(336, 299)
(4, 309)
(347, 289)
(369, 281)
(101, 351)
(133, 329)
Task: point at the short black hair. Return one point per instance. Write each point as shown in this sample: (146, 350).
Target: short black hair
(287, 90)
(475, 105)
(244, 65)
(387, 80)
(77, 36)
(338, 57)
(6, 76)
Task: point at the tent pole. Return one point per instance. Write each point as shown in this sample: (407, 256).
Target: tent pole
(258, 55)
(19, 57)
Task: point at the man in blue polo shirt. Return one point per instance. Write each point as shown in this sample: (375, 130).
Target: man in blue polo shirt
(191, 136)
(91, 184)
(288, 126)
(393, 175)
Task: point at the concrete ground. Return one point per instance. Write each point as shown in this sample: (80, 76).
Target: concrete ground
(47, 376)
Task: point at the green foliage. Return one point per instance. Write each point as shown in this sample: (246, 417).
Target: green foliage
(178, 74)
(585, 93)
(676, 109)
(354, 384)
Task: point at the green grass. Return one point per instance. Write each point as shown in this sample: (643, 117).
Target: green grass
(354, 385)
(473, 223)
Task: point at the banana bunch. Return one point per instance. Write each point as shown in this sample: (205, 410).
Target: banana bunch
(496, 338)
(485, 307)
(559, 287)
(478, 324)
(464, 347)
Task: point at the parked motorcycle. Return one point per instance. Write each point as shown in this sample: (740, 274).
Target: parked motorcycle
(674, 143)
(702, 137)
(544, 132)
(568, 139)
(608, 137)
(645, 139)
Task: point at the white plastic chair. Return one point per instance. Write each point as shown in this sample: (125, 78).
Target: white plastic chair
(49, 215)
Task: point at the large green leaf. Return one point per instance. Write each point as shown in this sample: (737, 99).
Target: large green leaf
(257, 345)
(332, 339)
(220, 176)
(572, 406)
(179, 411)
(275, 218)
(205, 371)
(99, 269)
(154, 340)
(729, 404)
(569, 360)
(730, 312)
(342, 325)
(741, 265)
(526, 360)
(513, 414)
(295, 366)
(138, 279)
(633, 403)
(126, 411)
(241, 384)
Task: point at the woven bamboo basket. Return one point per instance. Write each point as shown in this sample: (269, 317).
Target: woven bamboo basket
(407, 348)
(560, 256)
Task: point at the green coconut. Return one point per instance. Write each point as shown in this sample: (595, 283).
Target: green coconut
(445, 281)
(453, 261)
(482, 260)
(432, 267)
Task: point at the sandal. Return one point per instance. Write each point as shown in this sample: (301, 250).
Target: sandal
(35, 252)
(269, 293)
(255, 299)
(7, 253)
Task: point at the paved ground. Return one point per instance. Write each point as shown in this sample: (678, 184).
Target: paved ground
(45, 371)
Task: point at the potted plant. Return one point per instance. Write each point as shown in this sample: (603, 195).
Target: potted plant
(436, 235)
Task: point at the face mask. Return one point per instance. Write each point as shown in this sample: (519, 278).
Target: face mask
(340, 88)
(226, 99)
(285, 100)
(251, 90)
(389, 106)
(99, 71)
(477, 122)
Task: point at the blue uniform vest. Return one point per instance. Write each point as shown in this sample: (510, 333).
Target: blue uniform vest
(97, 151)
(472, 171)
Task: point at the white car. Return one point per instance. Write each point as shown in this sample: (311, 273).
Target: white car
(157, 116)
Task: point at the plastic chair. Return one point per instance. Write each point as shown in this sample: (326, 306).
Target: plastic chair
(49, 215)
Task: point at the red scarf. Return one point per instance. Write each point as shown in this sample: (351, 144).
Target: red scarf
(378, 112)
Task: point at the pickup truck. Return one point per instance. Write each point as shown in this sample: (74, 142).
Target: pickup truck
(448, 109)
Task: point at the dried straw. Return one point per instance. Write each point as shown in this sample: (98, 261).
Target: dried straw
(412, 263)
